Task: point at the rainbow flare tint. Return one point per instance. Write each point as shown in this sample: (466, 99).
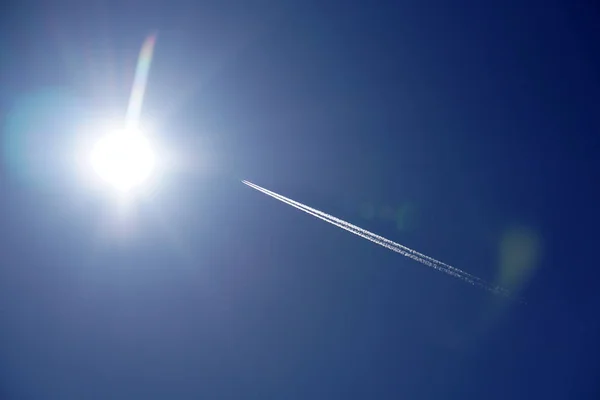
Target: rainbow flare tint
(140, 80)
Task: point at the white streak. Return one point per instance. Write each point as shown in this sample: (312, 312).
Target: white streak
(398, 248)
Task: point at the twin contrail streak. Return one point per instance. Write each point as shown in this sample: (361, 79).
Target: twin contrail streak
(398, 248)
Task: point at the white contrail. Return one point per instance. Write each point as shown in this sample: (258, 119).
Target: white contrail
(405, 251)
(366, 232)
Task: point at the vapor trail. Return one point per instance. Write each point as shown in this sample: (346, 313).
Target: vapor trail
(398, 248)
(365, 232)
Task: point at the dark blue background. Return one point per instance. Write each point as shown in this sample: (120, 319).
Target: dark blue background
(474, 116)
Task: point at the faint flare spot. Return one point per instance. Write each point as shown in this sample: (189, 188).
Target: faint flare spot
(520, 250)
(35, 135)
(386, 213)
(405, 217)
(367, 211)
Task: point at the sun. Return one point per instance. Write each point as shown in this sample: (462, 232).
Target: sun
(123, 159)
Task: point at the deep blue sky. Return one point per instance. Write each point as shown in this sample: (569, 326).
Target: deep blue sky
(456, 128)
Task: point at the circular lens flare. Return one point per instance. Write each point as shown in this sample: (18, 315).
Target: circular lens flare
(124, 160)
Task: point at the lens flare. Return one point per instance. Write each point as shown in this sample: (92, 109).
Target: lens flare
(139, 84)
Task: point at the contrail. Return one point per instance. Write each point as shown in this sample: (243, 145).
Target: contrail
(398, 248)
(365, 232)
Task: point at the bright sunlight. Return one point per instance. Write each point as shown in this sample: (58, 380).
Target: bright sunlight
(123, 159)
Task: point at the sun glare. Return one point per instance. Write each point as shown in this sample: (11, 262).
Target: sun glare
(125, 160)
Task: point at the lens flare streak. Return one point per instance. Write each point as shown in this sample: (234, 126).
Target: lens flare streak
(139, 84)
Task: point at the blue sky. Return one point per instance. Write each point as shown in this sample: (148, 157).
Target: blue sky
(465, 131)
